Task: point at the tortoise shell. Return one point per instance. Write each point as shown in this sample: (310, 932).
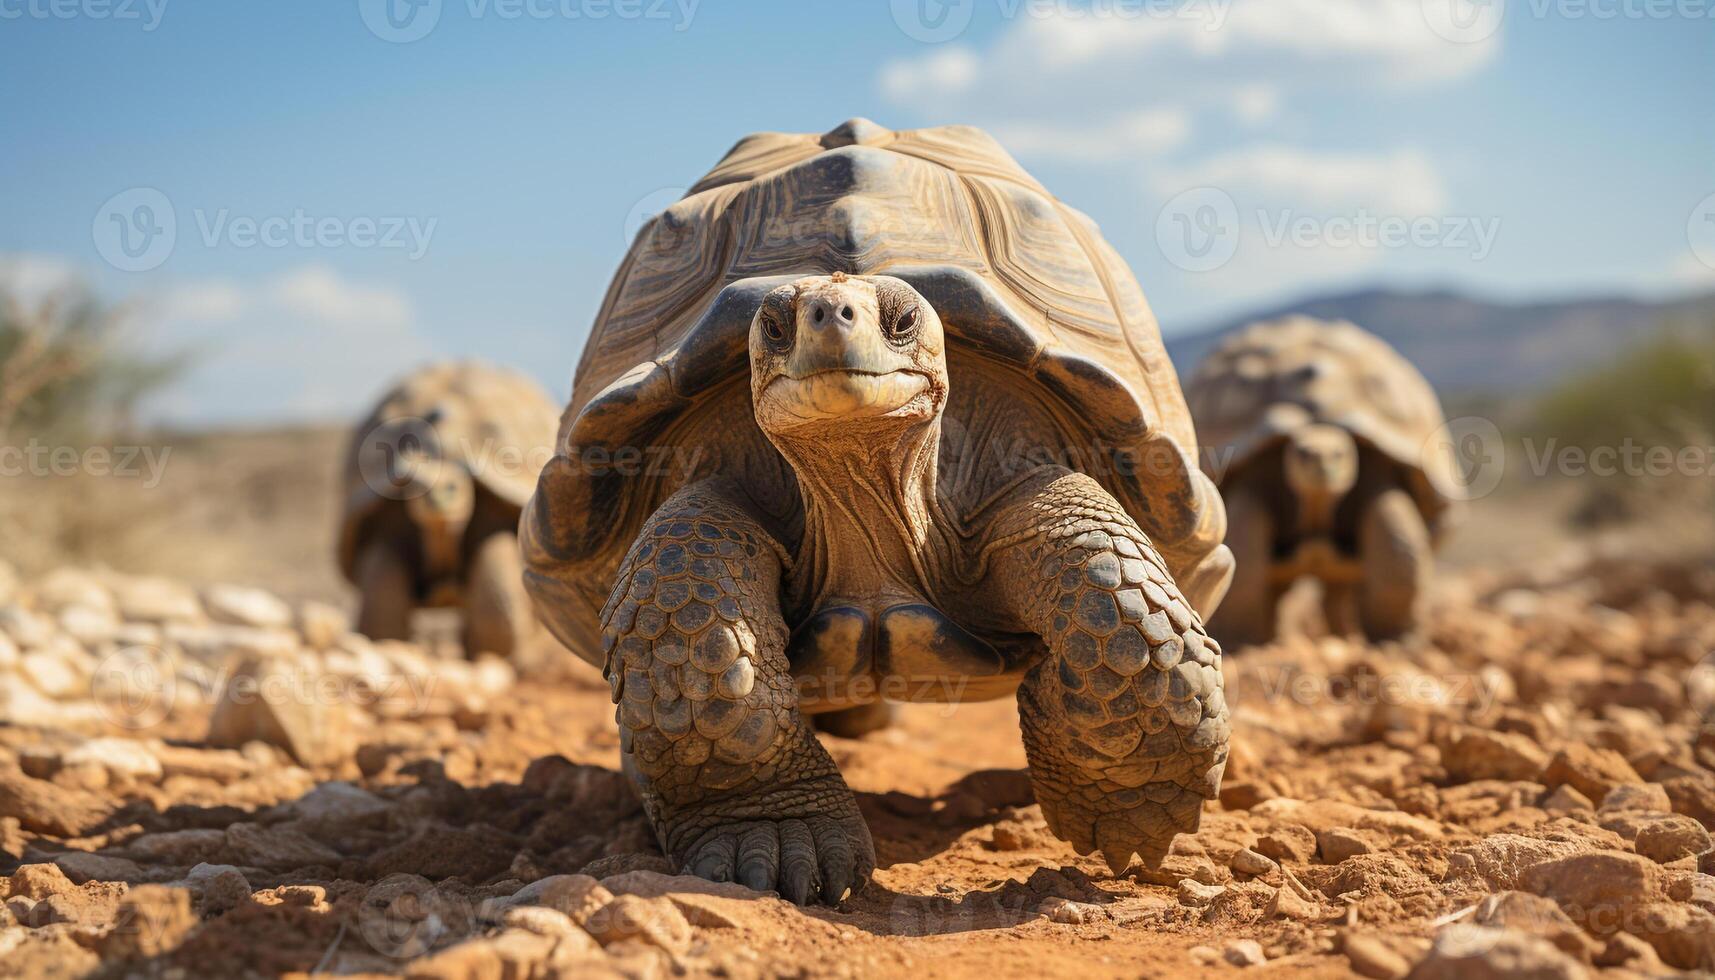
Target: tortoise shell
(495, 423)
(1273, 377)
(1053, 353)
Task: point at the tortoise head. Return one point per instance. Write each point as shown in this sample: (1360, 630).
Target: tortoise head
(1321, 462)
(833, 350)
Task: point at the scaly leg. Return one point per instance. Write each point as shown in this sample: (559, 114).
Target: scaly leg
(1125, 724)
(735, 783)
(1398, 562)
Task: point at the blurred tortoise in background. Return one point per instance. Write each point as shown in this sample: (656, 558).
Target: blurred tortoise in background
(871, 416)
(1324, 441)
(435, 480)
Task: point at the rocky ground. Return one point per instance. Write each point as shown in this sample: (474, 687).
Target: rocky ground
(215, 782)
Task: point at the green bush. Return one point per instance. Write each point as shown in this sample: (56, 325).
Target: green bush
(66, 369)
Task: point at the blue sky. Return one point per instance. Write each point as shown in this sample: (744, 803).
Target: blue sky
(476, 186)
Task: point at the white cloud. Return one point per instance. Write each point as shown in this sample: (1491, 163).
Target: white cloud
(201, 302)
(31, 277)
(1402, 182)
(1256, 104)
(1142, 134)
(317, 291)
(307, 343)
(1061, 80)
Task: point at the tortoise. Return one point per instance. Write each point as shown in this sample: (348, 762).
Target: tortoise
(867, 417)
(435, 480)
(1322, 439)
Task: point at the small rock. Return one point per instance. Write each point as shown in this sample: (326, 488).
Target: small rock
(1249, 862)
(511, 953)
(1007, 838)
(276, 848)
(218, 887)
(1466, 952)
(321, 625)
(156, 600)
(1288, 843)
(334, 802)
(1683, 935)
(1536, 915)
(1482, 754)
(1196, 894)
(119, 756)
(1370, 957)
(45, 808)
(1672, 837)
(1204, 955)
(27, 629)
(82, 866)
(152, 920)
(1068, 912)
(577, 896)
(65, 587)
(38, 881)
(1589, 770)
(1336, 844)
(276, 701)
(1565, 799)
(1647, 797)
(1286, 903)
(1596, 890)
(656, 921)
(1244, 952)
(49, 671)
(1625, 949)
(242, 606)
(88, 625)
(544, 921)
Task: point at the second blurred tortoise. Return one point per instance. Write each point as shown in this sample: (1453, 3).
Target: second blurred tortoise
(1324, 441)
(435, 480)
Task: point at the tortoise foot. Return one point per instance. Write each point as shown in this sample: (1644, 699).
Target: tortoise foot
(820, 853)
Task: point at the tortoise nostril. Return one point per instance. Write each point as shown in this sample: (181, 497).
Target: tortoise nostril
(820, 312)
(845, 312)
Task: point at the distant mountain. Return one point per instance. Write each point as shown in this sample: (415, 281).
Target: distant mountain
(1466, 345)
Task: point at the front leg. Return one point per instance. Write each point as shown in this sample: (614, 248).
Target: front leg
(1125, 724)
(733, 780)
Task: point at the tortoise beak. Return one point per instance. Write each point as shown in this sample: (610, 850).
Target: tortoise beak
(839, 393)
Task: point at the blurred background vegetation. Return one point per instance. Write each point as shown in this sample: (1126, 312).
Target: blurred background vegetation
(68, 370)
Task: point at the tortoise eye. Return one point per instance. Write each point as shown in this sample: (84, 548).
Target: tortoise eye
(772, 329)
(904, 326)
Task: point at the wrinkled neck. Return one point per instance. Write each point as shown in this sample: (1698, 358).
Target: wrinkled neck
(873, 524)
(1316, 506)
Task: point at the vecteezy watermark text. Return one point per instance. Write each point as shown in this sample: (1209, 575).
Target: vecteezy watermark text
(148, 13)
(38, 459)
(137, 229)
(935, 21)
(404, 21)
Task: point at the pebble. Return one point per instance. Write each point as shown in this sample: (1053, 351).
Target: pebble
(1244, 952)
(1196, 894)
(1249, 862)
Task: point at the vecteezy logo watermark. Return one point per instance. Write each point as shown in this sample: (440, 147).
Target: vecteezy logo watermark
(936, 21)
(404, 21)
(1700, 231)
(400, 21)
(933, 21)
(1477, 453)
(646, 208)
(136, 230)
(1198, 229)
(146, 12)
(1464, 21)
(135, 687)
